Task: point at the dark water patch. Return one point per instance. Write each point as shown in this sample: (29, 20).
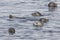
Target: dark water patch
(22, 21)
(50, 31)
(3, 12)
(20, 17)
(51, 9)
(28, 32)
(4, 4)
(2, 35)
(19, 3)
(10, 19)
(2, 28)
(26, 37)
(16, 36)
(17, 25)
(57, 27)
(35, 0)
(13, 12)
(3, 17)
(23, 3)
(38, 28)
(32, 19)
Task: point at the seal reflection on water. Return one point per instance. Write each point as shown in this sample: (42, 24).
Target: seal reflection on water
(11, 31)
(36, 14)
(52, 8)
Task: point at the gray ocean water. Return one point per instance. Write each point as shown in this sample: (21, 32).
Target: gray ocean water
(24, 27)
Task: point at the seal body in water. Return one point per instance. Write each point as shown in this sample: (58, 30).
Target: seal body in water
(52, 4)
(38, 23)
(11, 31)
(41, 22)
(10, 16)
(44, 20)
(36, 14)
